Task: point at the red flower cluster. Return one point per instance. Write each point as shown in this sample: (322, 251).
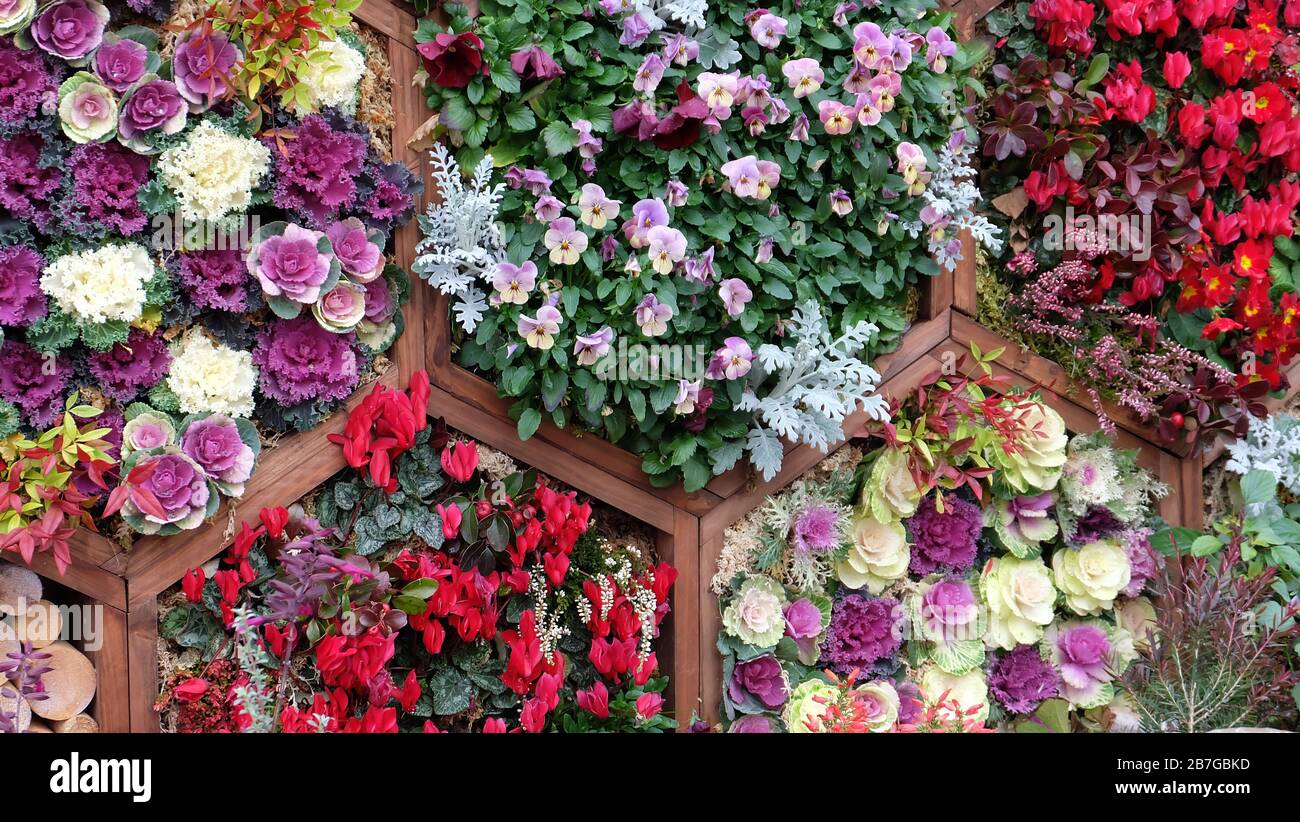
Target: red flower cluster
(617, 629)
(355, 662)
(1217, 182)
(383, 427)
(337, 717)
(465, 602)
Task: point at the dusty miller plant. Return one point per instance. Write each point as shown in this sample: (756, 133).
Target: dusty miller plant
(819, 381)
(951, 200)
(1273, 445)
(660, 14)
(461, 238)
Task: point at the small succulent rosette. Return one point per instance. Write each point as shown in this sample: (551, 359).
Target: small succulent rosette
(295, 266)
(177, 473)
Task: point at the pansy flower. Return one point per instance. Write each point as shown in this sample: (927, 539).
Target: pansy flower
(732, 361)
(870, 46)
(767, 29)
(938, 48)
(649, 74)
(836, 117)
(804, 75)
(680, 49)
(667, 248)
(841, 203)
(646, 214)
(596, 208)
(540, 333)
(719, 92)
(688, 394)
(565, 242)
(652, 316)
(589, 348)
(513, 283)
(735, 296)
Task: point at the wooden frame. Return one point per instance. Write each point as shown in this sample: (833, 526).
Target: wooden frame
(127, 583)
(1183, 506)
(678, 534)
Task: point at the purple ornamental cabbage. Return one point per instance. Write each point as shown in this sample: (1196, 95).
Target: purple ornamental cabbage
(1143, 562)
(27, 382)
(70, 29)
(760, 679)
(380, 305)
(291, 265)
(179, 486)
(153, 107)
(131, 367)
(864, 634)
(359, 257)
(753, 724)
(1098, 523)
(803, 624)
(202, 67)
(1021, 679)
(316, 173)
(28, 182)
(215, 279)
(26, 84)
(215, 444)
(944, 541)
(301, 362)
(816, 529)
(21, 300)
(1081, 651)
(120, 63)
(106, 181)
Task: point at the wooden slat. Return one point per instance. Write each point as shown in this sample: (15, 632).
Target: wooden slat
(965, 297)
(680, 656)
(936, 294)
(111, 708)
(142, 653)
(83, 577)
(591, 448)
(390, 20)
(710, 630)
